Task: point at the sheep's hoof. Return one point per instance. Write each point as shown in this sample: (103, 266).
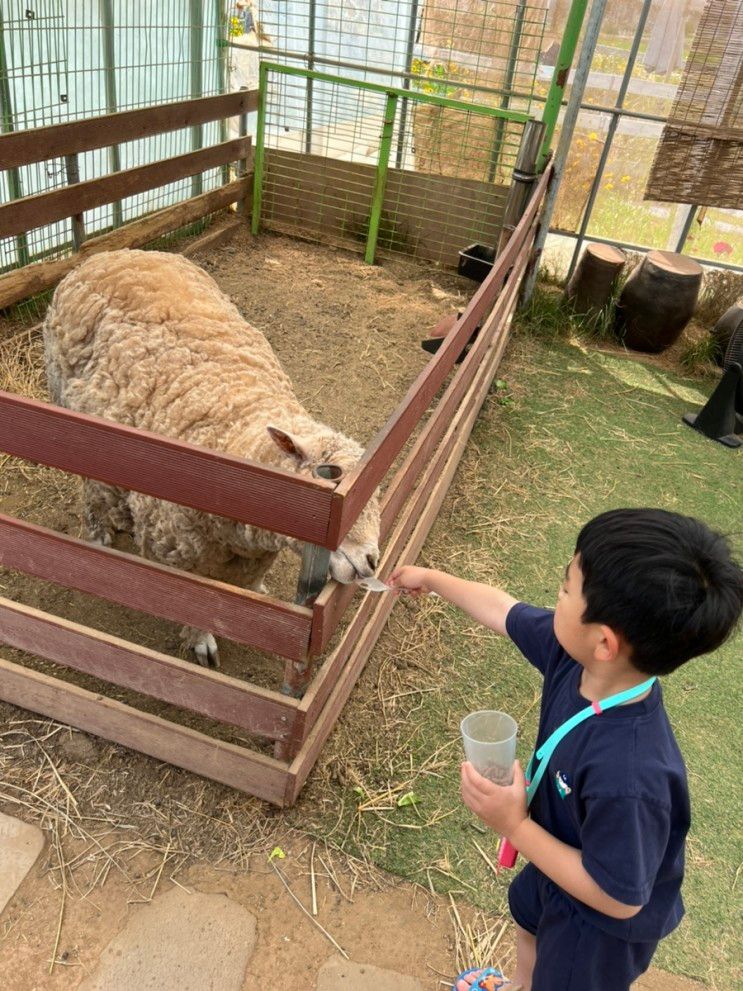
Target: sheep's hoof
(206, 651)
(102, 538)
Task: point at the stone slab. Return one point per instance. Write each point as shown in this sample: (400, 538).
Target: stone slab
(339, 973)
(20, 846)
(193, 942)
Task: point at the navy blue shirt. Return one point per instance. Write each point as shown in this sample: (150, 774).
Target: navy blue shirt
(615, 788)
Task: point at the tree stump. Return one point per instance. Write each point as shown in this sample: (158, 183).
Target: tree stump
(590, 287)
(658, 301)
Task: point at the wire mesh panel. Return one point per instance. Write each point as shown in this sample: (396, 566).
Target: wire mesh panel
(489, 44)
(700, 156)
(337, 163)
(62, 60)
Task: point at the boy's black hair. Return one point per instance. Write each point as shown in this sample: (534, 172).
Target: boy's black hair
(666, 582)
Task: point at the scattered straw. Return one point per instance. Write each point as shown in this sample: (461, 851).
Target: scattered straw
(314, 921)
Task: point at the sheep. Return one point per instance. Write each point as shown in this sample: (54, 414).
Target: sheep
(147, 339)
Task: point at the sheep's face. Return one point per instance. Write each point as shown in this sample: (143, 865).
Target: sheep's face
(326, 454)
(358, 555)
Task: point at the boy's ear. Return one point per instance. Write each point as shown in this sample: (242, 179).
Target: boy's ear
(608, 646)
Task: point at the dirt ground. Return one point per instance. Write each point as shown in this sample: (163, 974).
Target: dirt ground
(349, 336)
(391, 925)
(121, 827)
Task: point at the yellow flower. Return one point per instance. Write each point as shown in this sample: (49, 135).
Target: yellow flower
(609, 185)
(593, 136)
(625, 178)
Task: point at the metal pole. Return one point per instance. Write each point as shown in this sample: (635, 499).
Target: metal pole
(242, 165)
(688, 221)
(560, 75)
(524, 177)
(15, 188)
(612, 129)
(517, 116)
(518, 27)
(197, 83)
(109, 78)
(593, 28)
(260, 139)
(310, 81)
(220, 28)
(409, 49)
(380, 183)
(342, 64)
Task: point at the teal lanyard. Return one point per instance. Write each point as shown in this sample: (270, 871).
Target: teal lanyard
(544, 752)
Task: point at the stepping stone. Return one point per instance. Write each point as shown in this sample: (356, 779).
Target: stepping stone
(20, 845)
(340, 973)
(195, 942)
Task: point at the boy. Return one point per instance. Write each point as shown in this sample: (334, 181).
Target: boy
(645, 591)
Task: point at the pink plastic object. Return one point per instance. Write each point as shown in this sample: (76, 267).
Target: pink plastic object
(507, 854)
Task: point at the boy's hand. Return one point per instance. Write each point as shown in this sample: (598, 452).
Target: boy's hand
(411, 578)
(503, 808)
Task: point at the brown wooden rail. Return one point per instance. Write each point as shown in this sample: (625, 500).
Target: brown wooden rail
(46, 208)
(41, 143)
(20, 283)
(333, 600)
(356, 488)
(169, 679)
(166, 468)
(179, 596)
(308, 722)
(481, 369)
(332, 685)
(167, 741)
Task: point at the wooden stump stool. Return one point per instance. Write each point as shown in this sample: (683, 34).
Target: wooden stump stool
(658, 301)
(590, 287)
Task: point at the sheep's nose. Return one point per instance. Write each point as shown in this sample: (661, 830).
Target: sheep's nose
(372, 560)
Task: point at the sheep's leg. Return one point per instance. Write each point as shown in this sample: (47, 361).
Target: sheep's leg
(252, 571)
(105, 512)
(203, 645)
(173, 535)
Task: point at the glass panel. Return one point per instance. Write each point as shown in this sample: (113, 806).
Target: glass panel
(620, 212)
(717, 235)
(580, 170)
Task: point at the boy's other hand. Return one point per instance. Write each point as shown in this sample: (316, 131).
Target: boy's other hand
(502, 807)
(410, 578)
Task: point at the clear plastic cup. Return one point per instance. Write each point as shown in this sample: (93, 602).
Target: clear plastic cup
(490, 744)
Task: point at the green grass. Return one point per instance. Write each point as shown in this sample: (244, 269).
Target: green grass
(569, 432)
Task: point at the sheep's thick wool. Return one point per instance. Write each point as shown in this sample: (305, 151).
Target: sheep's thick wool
(149, 340)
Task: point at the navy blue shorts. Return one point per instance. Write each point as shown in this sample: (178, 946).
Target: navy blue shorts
(572, 955)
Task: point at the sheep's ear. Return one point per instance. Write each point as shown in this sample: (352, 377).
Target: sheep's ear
(286, 443)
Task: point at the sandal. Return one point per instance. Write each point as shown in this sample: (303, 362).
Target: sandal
(490, 979)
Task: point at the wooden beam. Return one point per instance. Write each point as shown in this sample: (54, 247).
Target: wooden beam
(338, 686)
(166, 468)
(32, 279)
(333, 601)
(179, 596)
(336, 678)
(39, 144)
(170, 679)
(239, 768)
(45, 208)
(357, 487)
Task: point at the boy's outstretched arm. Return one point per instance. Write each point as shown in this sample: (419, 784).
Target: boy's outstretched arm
(486, 604)
(504, 810)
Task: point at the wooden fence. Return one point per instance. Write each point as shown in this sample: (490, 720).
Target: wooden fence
(311, 510)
